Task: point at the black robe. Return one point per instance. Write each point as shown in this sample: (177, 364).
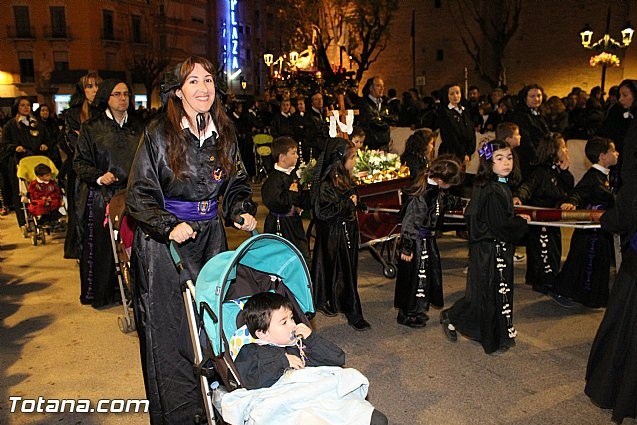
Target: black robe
(611, 374)
(375, 122)
(335, 254)
(485, 313)
(533, 128)
(260, 366)
(457, 133)
(101, 147)
(586, 271)
(548, 187)
(419, 281)
(284, 205)
(166, 351)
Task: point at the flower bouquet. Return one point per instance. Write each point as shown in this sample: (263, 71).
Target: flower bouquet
(605, 58)
(305, 171)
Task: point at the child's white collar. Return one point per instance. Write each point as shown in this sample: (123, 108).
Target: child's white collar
(287, 171)
(601, 168)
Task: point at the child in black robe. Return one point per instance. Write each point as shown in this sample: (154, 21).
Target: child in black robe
(548, 186)
(586, 272)
(419, 278)
(335, 254)
(281, 194)
(485, 313)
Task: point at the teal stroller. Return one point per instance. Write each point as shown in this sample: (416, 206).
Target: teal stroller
(264, 262)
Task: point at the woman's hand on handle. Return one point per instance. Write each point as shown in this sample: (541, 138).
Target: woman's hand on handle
(182, 232)
(249, 223)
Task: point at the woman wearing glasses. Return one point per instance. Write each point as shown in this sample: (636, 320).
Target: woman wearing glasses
(105, 150)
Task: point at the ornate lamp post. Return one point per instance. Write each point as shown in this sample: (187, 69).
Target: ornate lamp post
(605, 44)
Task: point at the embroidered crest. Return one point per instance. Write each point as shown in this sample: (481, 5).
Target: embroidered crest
(212, 158)
(218, 174)
(203, 207)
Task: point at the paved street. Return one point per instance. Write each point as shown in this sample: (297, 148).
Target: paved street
(51, 346)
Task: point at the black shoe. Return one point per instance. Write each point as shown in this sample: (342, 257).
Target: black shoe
(450, 333)
(561, 300)
(415, 321)
(327, 312)
(360, 324)
(424, 316)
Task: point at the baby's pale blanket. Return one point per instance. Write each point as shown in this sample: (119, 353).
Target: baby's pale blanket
(311, 396)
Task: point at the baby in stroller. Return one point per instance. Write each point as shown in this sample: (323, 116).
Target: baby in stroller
(44, 195)
(282, 346)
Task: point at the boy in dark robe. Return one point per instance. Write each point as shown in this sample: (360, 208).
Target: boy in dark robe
(281, 194)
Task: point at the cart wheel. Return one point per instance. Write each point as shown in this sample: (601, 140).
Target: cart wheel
(389, 271)
(43, 238)
(34, 240)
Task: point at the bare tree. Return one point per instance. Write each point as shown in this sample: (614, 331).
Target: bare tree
(486, 28)
(367, 25)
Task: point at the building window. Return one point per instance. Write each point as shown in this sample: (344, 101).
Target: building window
(58, 22)
(107, 21)
(437, 4)
(136, 28)
(440, 55)
(27, 74)
(111, 60)
(22, 21)
(61, 61)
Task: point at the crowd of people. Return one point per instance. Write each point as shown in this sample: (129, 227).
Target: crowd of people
(187, 170)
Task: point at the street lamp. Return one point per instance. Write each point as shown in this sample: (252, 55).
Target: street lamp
(244, 84)
(605, 44)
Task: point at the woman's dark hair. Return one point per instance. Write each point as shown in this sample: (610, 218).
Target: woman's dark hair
(446, 168)
(522, 94)
(177, 140)
(16, 103)
(444, 94)
(417, 143)
(485, 170)
(632, 86)
(548, 148)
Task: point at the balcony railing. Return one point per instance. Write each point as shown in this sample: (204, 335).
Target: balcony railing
(57, 33)
(20, 33)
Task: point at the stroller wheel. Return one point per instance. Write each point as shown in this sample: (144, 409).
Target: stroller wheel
(25, 231)
(389, 271)
(34, 240)
(124, 325)
(43, 238)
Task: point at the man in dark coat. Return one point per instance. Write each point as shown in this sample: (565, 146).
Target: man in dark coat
(374, 115)
(316, 127)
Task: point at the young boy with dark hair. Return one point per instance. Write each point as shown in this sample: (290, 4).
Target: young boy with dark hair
(44, 194)
(586, 272)
(509, 132)
(284, 345)
(281, 194)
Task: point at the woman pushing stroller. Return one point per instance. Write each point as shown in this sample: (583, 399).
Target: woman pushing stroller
(186, 160)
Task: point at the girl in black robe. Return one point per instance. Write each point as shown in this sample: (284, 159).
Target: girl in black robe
(548, 186)
(456, 128)
(586, 272)
(187, 159)
(611, 374)
(335, 255)
(485, 313)
(103, 157)
(281, 193)
(419, 278)
(419, 150)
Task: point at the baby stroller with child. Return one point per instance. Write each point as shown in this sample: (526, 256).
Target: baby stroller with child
(264, 262)
(40, 220)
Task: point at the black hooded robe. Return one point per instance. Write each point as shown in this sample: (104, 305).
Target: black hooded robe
(485, 313)
(102, 146)
(172, 387)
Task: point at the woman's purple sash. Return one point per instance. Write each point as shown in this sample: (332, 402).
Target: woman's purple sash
(192, 210)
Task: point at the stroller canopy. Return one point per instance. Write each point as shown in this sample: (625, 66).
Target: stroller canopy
(265, 253)
(26, 167)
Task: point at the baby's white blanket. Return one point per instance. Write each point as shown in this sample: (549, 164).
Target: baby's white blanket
(324, 395)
